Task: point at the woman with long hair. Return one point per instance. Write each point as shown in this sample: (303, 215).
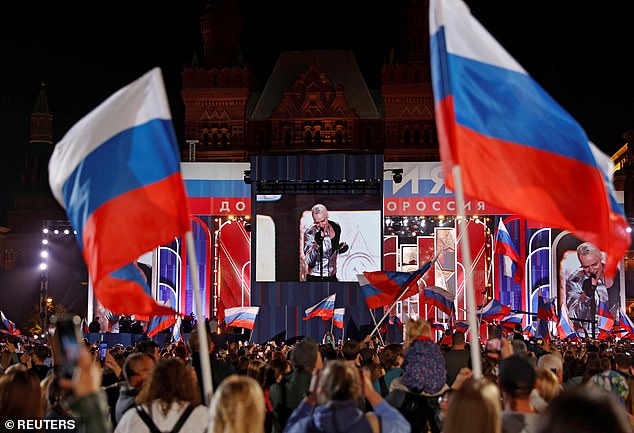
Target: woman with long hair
(336, 390)
(238, 406)
(168, 398)
(475, 408)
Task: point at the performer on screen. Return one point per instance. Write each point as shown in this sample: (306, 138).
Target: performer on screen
(588, 286)
(322, 246)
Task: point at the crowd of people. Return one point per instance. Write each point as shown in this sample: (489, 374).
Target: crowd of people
(309, 386)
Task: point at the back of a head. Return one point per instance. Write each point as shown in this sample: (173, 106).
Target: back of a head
(550, 362)
(389, 355)
(622, 361)
(517, 376)
(457, 339)
(417, 328)
(171, 380)
(350, 350)
(475, 408)
(584, 410)
(42, 352)
(130, 365)
(304, 355)
(338, 382)
(20, 395)
(193, 341)
(237, 406)
(519, 347)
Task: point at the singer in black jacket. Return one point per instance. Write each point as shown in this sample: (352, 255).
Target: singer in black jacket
(322, 245)
(587, 287)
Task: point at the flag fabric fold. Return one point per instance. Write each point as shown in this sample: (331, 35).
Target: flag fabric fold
(546, 309)
(117, 174)
(9, 325)
(605, 318)
(517, 148)
(565, 328)
(161, 323)
(241, 317)
(324, 309)
(440, 298)
(504, 245)
(337, 318)
(511, 320)
(626, 324)
(382, 288)
(494, 310)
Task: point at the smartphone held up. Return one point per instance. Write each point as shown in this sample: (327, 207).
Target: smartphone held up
(66, 341)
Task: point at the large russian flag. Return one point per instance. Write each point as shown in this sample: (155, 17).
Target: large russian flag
(241, 317)
(324, 309)
(504, 245)
(382, 288)
(440, 298)
(517, 148)
(337, 319)
(117, 174)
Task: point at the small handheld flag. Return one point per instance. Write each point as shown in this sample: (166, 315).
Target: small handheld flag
(324, 309)
(504, 245)
(241, 317)
(11, 328)
(338, 317)
(493, 310)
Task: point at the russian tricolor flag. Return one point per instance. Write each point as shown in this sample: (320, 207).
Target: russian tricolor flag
(461, 325)
(324, 309)
(440, 298)
(161, 323)
(337, 319)
(493, 310)
(605, 318)
(382, 288)
(241, 317)
(504, 246)
(517, 148)
(117, 174)
(626, 323)
(511, 320)
(11, 328)
(565, 328)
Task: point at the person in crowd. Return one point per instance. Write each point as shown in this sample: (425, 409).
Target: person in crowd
(149, 347)
(40, 355)
(136, 369)
(517, 379)
(220, 368)
(94, 326)
(169, 398)
(474, 408)
(587, 287)
(238, 406)
(336, 390)
(322, 245)
(391, 357)
(288, 393)
(554, 363)
(584, 410)
(576, 370)
(458, 357)
(271, 373)
(20, 395)
(350, 352)
(424, 379)
(547, 387)
(56, 398)
(611, 382)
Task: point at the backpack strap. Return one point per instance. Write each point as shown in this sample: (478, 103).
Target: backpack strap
(146, 419)
(182, 419)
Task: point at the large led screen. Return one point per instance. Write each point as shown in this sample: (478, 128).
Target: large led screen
(299, 241)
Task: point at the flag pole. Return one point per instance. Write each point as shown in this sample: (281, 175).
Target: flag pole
(466, 257)
(203, 344)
